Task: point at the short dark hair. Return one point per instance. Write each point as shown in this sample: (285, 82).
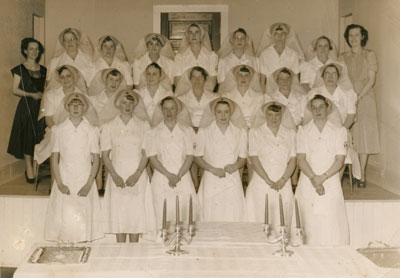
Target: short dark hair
(320, 97)
(239, 30)
(222, 102)
(24, 46)
(285, 70)
(323, 38)
(62, 68)
(114, 72)
(107, 39)
(274, 108)
(244, 69)
(155, 38)
(331, 66)
(154, 64)
(199, 69)
(363, 31)
(167, 99)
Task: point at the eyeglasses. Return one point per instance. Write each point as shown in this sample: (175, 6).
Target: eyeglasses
(70, 40)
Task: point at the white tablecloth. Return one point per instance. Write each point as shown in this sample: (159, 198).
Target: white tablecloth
(218, 250)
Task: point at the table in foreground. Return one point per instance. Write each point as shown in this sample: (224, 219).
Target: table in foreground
(218, 250)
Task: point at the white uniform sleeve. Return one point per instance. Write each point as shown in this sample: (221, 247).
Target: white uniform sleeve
(126, 71)
(178, 65)
(200, 145)
(305, 74)
(221, 70)
(301, 145)
(189, 141)
(263, 64)
(94, 140)
(341, 141)
(105, 137)
(150, 143)
(292, 138)
(253, 144)
(243, 144)
(48, 105)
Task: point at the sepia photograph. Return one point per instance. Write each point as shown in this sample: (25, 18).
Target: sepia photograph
(200, 138)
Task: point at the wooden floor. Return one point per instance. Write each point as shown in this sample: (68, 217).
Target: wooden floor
(20, 187)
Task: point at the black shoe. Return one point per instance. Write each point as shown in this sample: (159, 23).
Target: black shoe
(28, 180)
(362, 184)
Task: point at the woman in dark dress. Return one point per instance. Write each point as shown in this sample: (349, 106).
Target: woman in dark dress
(28, 83)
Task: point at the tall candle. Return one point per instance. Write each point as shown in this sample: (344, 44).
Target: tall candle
(190, 211)
(164, 219)
(177, 210)
(298, 225)
(266, 209)
(281, 215)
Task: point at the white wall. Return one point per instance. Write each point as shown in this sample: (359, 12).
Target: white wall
(382, 20)
(15, 24)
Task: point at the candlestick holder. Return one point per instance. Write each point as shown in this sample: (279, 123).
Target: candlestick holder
(177, 238)
(298, 238)
(283, 240)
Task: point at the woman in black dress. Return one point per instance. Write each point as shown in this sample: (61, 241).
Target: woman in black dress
(28, 83)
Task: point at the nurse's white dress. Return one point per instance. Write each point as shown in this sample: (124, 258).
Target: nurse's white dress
(222, 199)
(323, 218)
(128, 209)
(274, 153)
(171, 149)
(71, 217)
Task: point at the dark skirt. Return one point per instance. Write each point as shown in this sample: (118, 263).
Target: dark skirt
(26, 130)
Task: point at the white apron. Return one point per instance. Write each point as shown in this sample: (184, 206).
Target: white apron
(171, 149)
(323, 218)
(71, 217)
(128, 209)
(274, 154)
(222, 199)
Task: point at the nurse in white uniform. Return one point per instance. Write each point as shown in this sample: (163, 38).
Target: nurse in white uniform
(320, 153)
(75, 49)
(128, 208)
(195, 91)
(243, 87)
(221, 150)
(111, 54)
(272, 153)
(237, 49)
(279, 47)
(105, 85)
(287, 90)
(73, 213)
(196, 50)
(153, 48)
(154, 86)
(169, 146)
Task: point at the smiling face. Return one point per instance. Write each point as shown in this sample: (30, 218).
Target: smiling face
(355, 37)
(273, 118)
(239, 40)
(70, 42)
(222, 113)
(319, 109)
(153, 75)
(127, 105)
(75, 108)
(322, 48)
(284, 81)
(112, 82)
(32, 50)
(169, 110)
(330, 76)
(108, 49)
(194, 35)
(153, 46)
(67, 79)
